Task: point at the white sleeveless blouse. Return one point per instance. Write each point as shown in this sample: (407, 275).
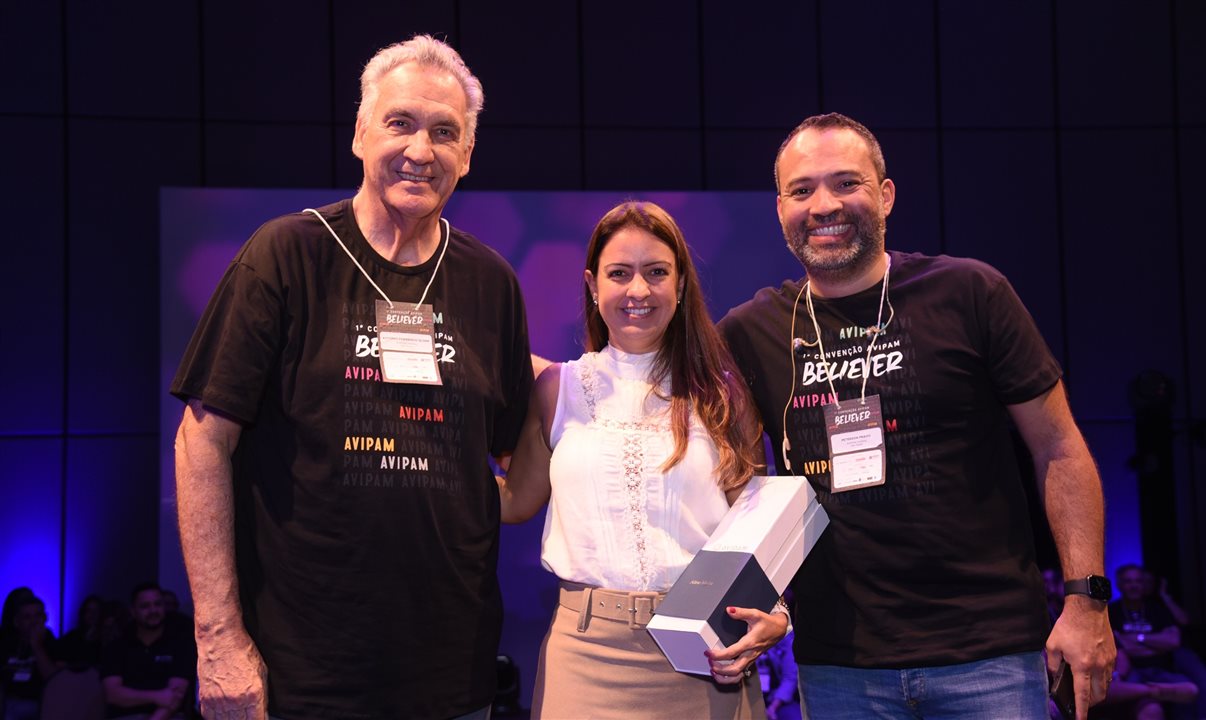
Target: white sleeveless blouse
(615, 520)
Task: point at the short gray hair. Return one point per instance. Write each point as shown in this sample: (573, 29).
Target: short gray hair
(428, 52)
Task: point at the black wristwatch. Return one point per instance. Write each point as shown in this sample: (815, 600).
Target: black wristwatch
(1095, 586)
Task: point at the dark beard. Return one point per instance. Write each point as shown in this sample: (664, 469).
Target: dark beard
(844, 263)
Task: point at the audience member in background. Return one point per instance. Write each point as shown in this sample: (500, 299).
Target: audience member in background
(779, 675)
(175, 620)
(146, 672)
(27, 648)
(171, 603)
(81, 647)
(1186, 661)
(1156, 589)
(642, 443)
(115, 617)
(15, 598)
(1148, 634)
(1128, 700)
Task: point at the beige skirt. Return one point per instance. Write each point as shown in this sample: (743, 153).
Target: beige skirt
(597, 667)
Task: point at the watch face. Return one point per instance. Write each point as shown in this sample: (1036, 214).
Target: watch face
(1099, 588)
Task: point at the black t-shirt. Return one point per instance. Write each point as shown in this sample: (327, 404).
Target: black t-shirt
(1151, 617)
(367, 512)
(147, 667)
(19, 674)
(79, 651)
(936, 566)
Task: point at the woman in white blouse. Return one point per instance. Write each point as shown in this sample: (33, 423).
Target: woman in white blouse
(642, 444)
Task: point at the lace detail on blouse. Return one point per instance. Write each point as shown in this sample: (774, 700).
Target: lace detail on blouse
(615, 519)
(633, 460)
(588, 377)
(634, 480)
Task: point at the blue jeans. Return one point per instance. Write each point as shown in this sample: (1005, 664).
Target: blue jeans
(1011, 686)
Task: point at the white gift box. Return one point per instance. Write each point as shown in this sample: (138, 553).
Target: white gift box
(749, 560)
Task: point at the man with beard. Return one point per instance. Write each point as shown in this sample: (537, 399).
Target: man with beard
(146, 672)
(890, 381)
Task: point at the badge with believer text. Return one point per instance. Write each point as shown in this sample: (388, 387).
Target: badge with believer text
(855, 432)
(406, 339)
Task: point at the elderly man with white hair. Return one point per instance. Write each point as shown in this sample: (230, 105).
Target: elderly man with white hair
(355, 369)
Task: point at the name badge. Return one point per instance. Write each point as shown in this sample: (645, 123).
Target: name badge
(406, 339)
(855, 432)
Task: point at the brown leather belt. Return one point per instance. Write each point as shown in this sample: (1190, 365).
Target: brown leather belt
(634, 607)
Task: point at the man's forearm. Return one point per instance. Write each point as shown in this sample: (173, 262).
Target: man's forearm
(1166, 640)
(205, 508)
(230, 671)
(1075, 511)
(1071, 491)
(1068, 481)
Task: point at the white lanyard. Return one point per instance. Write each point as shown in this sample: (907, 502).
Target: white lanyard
(446, 236)
(874, 331)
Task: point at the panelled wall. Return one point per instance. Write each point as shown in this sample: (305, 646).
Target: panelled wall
(1061, 140)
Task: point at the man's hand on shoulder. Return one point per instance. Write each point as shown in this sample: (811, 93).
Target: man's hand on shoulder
(1082, 638)
(233, 680)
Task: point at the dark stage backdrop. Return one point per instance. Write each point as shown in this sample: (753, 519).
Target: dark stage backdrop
(737, 244)
(1060, 140)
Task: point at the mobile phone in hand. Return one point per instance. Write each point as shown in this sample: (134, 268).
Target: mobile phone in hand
(1062, 692)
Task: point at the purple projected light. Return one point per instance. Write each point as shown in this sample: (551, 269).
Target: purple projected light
(29, 557)
(543, 235)
(735, 239)
(201, 271)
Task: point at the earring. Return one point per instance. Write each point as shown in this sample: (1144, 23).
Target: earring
(595, 299)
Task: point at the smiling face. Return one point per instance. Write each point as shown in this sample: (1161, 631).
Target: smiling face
(637, 286)
(147, 609)
(831, 203)
(413, 141)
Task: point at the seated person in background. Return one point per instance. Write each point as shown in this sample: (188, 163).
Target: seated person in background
(643, 443)
(1147, 633)
(171, 603)
(175, 620)
(146, 672)
(27, 649)
(779, 675)
(1141, 700)
(1186, 661)
(115, 618)
(82, 646)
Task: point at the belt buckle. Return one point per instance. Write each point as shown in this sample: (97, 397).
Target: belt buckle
(640, 608)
